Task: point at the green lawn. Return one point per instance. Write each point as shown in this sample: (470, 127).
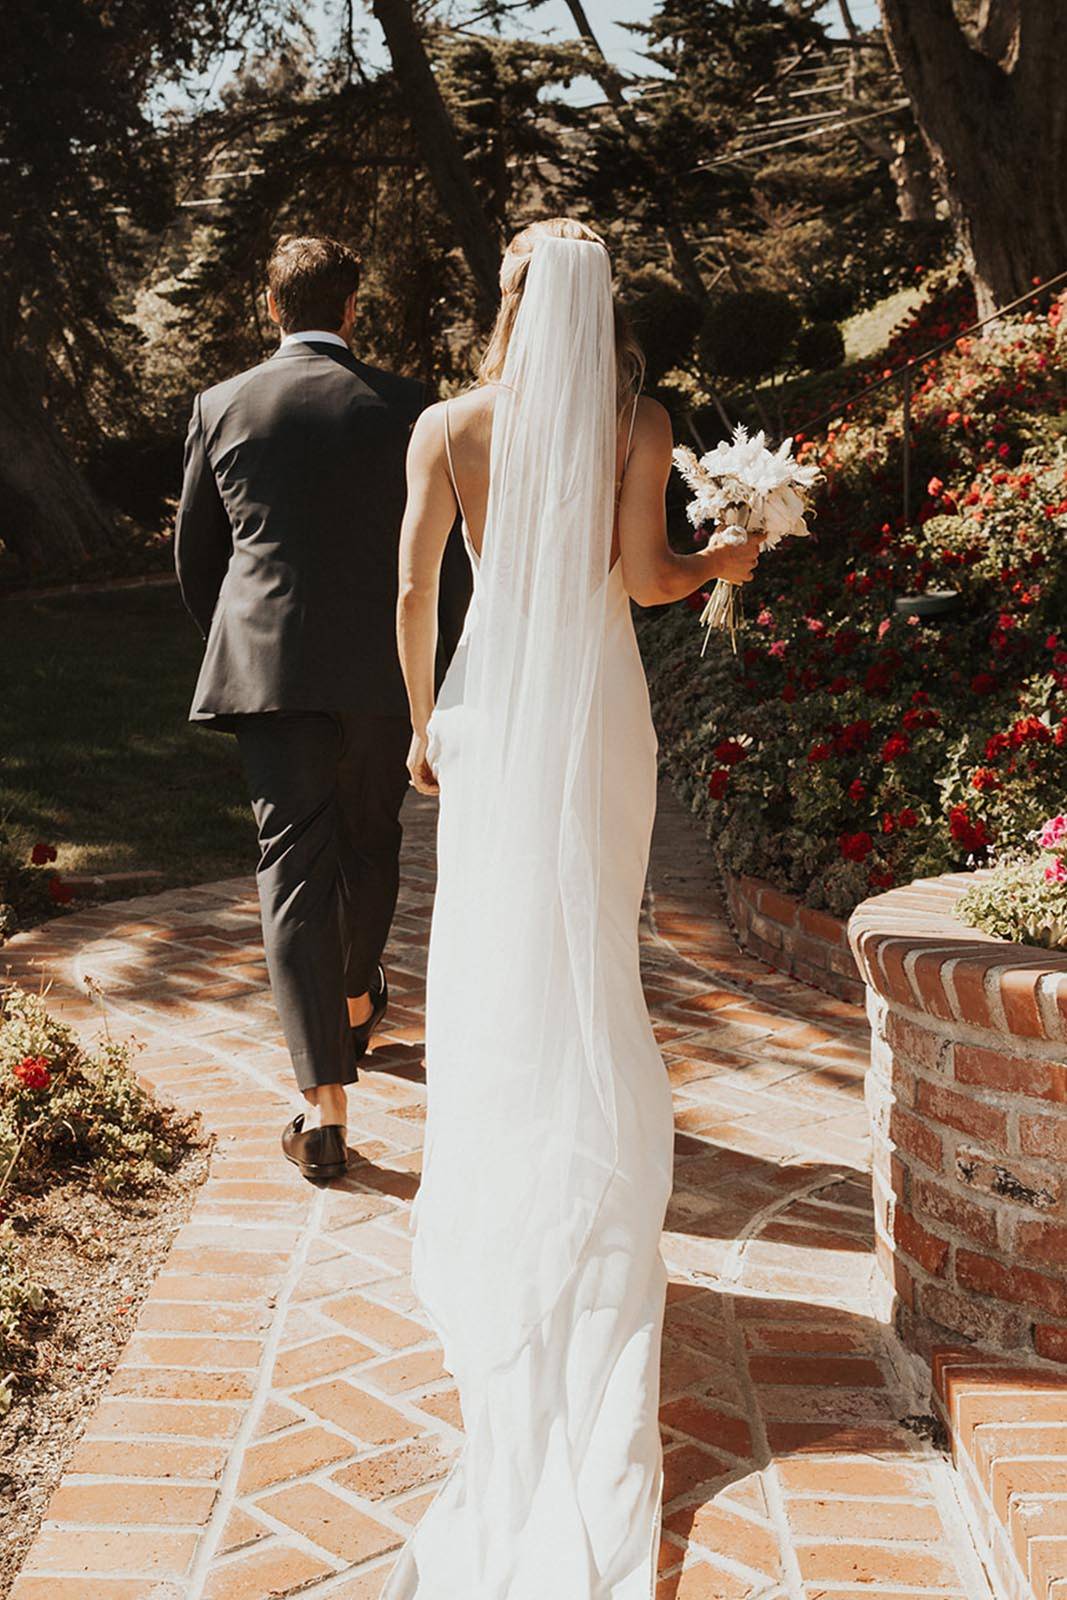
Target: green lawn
(95, 752)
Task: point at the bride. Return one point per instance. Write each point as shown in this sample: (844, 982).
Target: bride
(549, 1134)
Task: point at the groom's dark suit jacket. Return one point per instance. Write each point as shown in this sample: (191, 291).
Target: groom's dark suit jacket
(287, 533)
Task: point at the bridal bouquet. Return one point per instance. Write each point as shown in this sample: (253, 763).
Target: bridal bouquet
(744, 488)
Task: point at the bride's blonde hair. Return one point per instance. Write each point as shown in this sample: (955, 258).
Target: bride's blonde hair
(629, 357)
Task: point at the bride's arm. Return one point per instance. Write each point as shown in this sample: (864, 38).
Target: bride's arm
(652, 572)
(428, 518)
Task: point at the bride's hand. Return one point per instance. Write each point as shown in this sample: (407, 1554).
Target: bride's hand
(423, 777)
(737, 562)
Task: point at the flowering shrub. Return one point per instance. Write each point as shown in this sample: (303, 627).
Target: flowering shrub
(65, 1110)
(870, 747)
(62, 1104)
(1024, 898)
(30, 885)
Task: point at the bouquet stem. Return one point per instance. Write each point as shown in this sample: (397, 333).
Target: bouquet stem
(721, 612)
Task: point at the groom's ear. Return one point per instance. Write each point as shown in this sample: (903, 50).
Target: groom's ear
(272, 308)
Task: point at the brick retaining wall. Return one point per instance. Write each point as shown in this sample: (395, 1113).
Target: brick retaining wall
(967, 1095)
(792, 937)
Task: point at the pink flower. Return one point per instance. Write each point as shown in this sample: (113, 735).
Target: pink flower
(1053, 835)
(1057, 871)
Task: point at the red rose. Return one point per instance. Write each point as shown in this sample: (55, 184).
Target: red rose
(789, 693)
(973, 836)
(983, 683)
(888, 823)
(42, 853)
(996, 746)
(897, 745)
(983, 778)
(878, 677)
(729, 752)
(855, 846)
(1030, 730)
(881, 878)
(853, 737)
(857, 790)
(907, 818)
(32, 1072)
(62, 893)
(819, 752)
(718, 781)
(839, 685)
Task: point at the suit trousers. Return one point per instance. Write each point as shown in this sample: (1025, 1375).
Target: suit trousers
(326, 791)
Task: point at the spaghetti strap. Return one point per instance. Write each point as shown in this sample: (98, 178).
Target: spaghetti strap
(629, 448)
(452, 468)
(630, 435)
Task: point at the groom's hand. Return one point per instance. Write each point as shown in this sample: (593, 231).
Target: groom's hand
(423, 777)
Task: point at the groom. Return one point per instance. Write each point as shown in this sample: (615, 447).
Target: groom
(286, 552)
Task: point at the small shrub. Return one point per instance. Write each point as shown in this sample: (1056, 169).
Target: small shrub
(747, 334)
(65, 1112)
(63, 1106)
(30, 885)
(664, 318)
(1024, 898)
(820, 347)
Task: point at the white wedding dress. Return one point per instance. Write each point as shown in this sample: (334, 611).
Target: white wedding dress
(549, 1135)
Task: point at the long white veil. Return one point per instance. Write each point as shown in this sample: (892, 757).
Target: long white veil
(522, 1133)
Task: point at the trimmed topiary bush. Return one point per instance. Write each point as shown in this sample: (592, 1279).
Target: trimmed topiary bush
(665, 319)
(820, 347)
(747, 334)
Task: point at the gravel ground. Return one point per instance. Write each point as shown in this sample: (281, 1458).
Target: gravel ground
(98, 1257)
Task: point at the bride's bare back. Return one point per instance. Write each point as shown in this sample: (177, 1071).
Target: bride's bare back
(470, 429)
(652, 573)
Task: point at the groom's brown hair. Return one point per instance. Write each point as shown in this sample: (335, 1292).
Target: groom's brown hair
(311, 279)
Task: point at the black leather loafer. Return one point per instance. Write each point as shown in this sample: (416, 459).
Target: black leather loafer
(320, 1153)
(362, 1032)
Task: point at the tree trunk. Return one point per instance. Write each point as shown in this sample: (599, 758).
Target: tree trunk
(441, 149)
(906, 160)
(992, 110)
(49, 517)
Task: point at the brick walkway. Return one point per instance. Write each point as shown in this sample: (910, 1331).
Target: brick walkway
(280, 1415)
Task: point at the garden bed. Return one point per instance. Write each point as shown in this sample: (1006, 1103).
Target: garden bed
(848, 746)
(792, 938)
(96, 1177)
(97, 1258)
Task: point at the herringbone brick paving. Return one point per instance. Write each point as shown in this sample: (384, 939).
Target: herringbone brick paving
(281, 1417)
